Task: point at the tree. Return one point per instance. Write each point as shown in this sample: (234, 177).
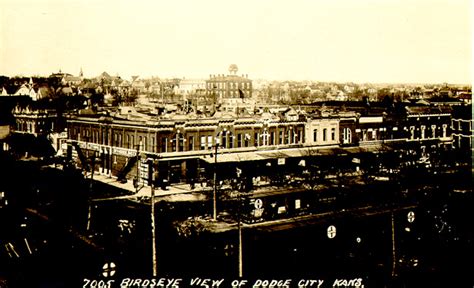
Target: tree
(131, 97)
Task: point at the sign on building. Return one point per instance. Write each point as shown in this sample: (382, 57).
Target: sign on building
(143, 170)
(331, 232)
(411, 216)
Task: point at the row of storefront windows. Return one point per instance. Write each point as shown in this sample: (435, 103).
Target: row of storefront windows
(324, 135)
(227, 139)
(178, 143)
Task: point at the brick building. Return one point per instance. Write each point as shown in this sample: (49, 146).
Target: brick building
(222, 86)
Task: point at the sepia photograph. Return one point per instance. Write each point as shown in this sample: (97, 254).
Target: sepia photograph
(236, 143)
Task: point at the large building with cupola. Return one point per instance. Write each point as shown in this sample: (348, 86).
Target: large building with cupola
(221, 86)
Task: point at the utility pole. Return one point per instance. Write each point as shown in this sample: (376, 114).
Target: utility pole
(138, 166)
(153, 232)
(214, 194)
(239, 220)
(89, 212)
(239, 226)
(162, 100)
(394, 254)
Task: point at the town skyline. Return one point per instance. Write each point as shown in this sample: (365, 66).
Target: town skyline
(365, 42)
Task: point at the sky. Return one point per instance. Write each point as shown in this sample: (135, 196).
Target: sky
(379, 41)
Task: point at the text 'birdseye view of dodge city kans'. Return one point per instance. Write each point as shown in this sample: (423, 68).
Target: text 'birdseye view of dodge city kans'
(230, 176)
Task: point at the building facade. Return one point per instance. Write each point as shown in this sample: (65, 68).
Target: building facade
(180, 143)
(223, 86)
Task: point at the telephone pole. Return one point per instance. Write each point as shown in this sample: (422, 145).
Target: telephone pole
(138, 166)
(214, 194)
(394, 251)
(240, 236)
(89, 212)
(153, 232)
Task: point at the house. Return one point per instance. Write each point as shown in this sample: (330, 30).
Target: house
(71, 80)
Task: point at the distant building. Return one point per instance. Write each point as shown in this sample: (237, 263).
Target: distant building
(71, 80)
(462, 127)
(36, 131)
(192, 86)
(229, 86)
(29, 120)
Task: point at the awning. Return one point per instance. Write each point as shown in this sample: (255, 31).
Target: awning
(300, 152)
(266, 155)
(234, 157)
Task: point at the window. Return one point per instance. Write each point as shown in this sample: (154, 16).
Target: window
(190, 143)
(325, 134)
(174, 143)
(346, 135)
(140, 142)
(203, 142)
(209, 142)
(231, 139)
(315, 135)
(144, 144)
(239, 140)
(265, 138)
(179, 142)
(272, 138)
(132, 141)
(164, 144)
(255, 139)
(224, 139)
(333, 134)
(281, 138)
(153, 148)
